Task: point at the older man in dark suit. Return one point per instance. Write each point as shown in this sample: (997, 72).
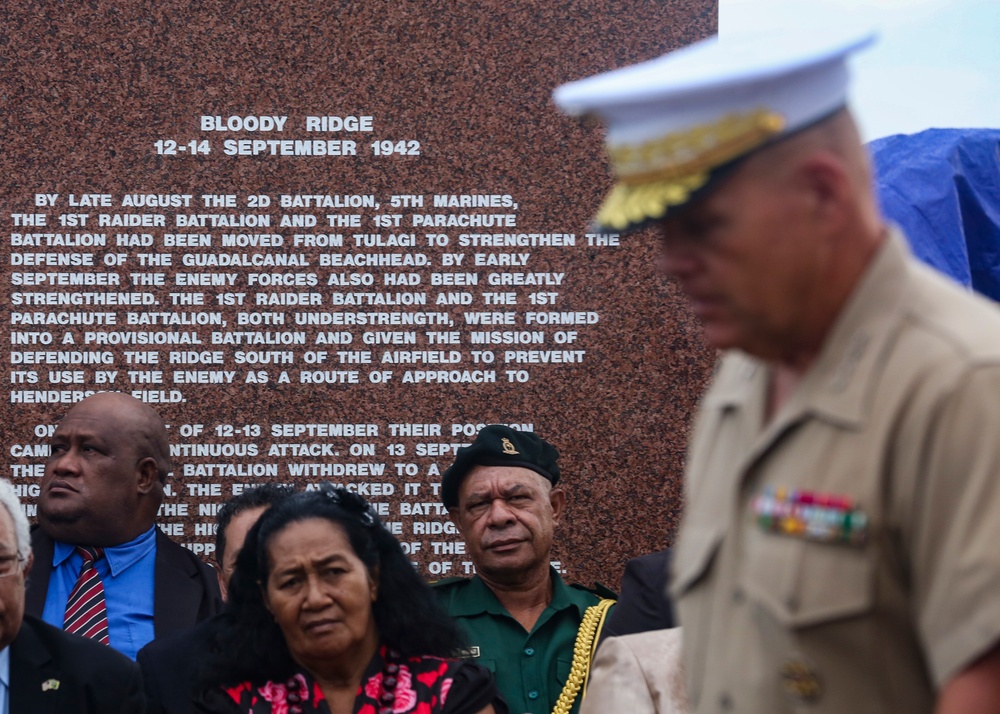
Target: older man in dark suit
(170, 665)
(100, 494)
(42, 668)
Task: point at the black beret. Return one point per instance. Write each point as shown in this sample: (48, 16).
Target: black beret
(498, 445)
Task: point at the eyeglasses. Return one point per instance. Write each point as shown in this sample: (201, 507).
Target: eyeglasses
(9, 564)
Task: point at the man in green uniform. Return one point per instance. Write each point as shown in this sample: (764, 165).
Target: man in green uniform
(522, 620)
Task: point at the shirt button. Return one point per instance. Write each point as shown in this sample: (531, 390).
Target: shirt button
(738, 596)
(532, 694)
(725, 702)
(529, 651)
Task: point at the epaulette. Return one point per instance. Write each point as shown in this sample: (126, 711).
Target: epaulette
(444, 582)
(599, 589)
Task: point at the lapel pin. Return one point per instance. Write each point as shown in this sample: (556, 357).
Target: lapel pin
(48, 684)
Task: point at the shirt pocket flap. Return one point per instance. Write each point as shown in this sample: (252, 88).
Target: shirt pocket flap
(803, 583)
(562, 670)
(693, 556)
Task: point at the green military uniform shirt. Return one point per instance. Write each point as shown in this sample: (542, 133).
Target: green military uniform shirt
(530, 667)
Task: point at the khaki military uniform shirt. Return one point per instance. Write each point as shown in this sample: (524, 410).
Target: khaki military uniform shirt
(900, 416)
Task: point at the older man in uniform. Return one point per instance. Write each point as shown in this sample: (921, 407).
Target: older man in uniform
(838, 551)
(522, 619)
(44, 670)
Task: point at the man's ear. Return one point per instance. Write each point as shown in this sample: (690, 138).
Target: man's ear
(826, 178)
(222, 584)
(149, 475)
(557, 499)
(453, 516)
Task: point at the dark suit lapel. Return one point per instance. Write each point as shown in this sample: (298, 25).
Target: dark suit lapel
(177, 591)
(34, 676)
(177, 588)
(38, 580)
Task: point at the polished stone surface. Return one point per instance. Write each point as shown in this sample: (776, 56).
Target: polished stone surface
(90, 87)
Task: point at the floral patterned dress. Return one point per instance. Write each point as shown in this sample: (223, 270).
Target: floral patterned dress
(424, 685)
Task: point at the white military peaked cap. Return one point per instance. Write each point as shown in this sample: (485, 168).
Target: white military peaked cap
(674, 121)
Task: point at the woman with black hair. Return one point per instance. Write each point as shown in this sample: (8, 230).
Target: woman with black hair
(326, 614)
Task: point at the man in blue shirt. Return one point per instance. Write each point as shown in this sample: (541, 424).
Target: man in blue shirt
(101, 491)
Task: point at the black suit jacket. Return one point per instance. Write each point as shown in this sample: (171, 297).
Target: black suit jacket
(643, 604)
(186, 590)
(54, 672)
(170, 666)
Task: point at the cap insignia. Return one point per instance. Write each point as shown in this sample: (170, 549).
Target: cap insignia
(696, 150)
(508, 447)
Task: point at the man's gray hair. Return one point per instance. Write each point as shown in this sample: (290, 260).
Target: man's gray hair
(10, 501)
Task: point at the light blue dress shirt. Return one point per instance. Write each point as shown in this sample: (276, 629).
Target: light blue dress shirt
(127, 571)
(5, 680)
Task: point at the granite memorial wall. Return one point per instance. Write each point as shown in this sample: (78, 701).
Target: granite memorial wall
(328, 241)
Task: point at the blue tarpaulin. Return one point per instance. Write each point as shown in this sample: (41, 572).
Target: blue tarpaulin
(942, 186)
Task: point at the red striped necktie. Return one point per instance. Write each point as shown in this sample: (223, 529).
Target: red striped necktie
(86, 612)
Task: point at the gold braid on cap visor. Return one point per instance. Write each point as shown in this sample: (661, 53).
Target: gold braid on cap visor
(666, 171)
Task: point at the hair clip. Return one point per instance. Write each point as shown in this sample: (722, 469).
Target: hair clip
(350, 502)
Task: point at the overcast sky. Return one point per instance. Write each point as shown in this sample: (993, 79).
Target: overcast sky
(936, 64)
